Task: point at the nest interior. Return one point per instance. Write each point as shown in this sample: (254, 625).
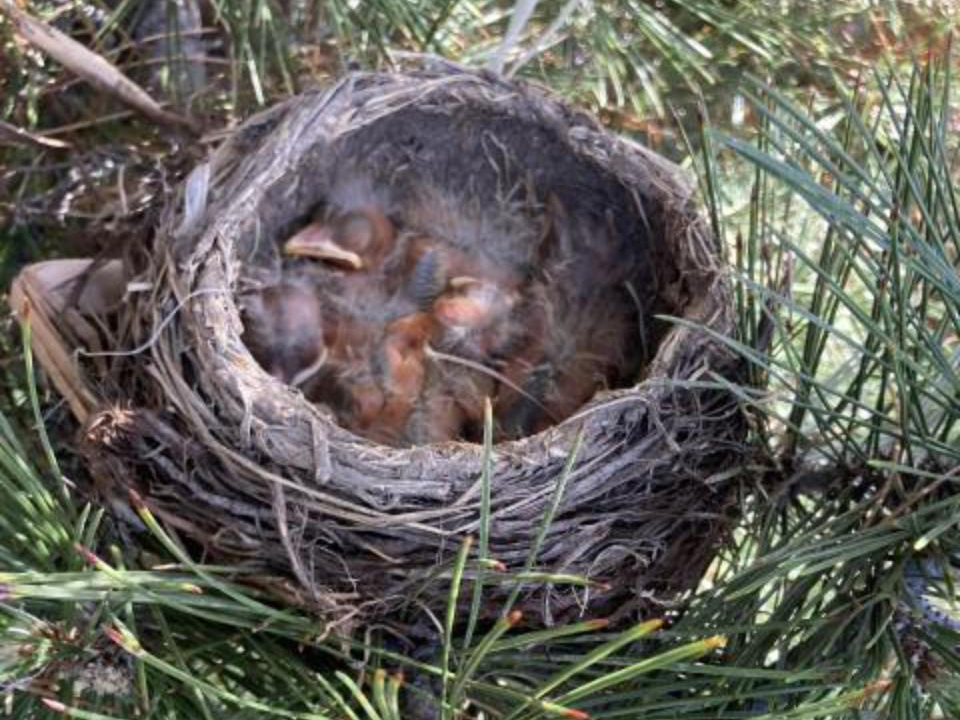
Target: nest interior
(252, 471)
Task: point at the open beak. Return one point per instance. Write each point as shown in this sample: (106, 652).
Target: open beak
(317, 243)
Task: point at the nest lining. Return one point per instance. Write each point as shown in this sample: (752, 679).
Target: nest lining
(249, 468)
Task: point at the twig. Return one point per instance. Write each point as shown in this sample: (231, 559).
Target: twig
(12, 133)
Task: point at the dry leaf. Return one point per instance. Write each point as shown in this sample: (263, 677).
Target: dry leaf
(39, 294)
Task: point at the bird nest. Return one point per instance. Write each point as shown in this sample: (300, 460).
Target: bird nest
(258, 472)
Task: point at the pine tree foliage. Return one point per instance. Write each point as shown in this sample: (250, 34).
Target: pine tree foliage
(847, 559)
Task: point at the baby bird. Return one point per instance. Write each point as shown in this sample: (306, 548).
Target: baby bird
(401, 364)
(356, 239)
(572, 353)
(284, 330)
(579, 321)
(450, 407)
(378, 386)
(470, 297)
(345, 384)
(476, 319)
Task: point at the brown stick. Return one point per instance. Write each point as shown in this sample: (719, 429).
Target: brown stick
(11, 133)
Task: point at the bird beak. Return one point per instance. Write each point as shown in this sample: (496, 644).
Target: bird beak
(311, 242)
(462, 281)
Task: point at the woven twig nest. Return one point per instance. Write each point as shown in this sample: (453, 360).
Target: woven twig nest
(241, 463)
